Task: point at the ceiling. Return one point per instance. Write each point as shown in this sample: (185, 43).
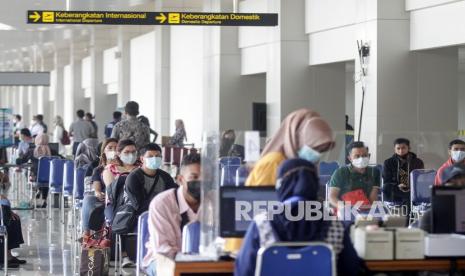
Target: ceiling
(19, 39)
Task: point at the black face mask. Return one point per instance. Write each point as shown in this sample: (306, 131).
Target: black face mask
(193, 188)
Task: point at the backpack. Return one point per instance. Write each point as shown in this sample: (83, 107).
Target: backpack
(65, 138)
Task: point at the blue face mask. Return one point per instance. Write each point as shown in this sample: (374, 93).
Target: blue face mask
(309, 154)
(153, 163)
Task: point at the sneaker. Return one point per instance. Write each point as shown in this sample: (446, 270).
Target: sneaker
(126, 262)
(15, 260)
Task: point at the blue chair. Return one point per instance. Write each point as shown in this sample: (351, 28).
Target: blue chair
(142, 239)
(228, 161)
(43, 171)
(68, 178)
(68, 184)
(78, 196)
(421, 182)
(323, 191)
(299, 258)
(55, 182)
(241, 175)
(228, 175)
(328, 168)
(191, 238)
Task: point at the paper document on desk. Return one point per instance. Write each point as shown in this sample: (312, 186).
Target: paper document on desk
(193, 258)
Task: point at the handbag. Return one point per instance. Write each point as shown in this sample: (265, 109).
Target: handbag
(94, 261)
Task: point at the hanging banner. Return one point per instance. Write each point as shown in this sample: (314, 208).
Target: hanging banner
(151, 18)
(6, 128)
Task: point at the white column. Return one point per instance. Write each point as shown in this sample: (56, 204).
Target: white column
(161, 121)
(123, 67)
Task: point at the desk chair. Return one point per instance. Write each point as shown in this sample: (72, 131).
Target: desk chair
(241, 175)
(228, 175)
(296, 258)
(328, 168)
(142, 239)
(421, 182)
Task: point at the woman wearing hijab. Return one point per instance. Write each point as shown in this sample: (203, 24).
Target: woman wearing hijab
(303, 134)
(86, 152)
(298, 182)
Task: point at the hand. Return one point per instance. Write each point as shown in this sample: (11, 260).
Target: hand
(403, 187)
(100, 196)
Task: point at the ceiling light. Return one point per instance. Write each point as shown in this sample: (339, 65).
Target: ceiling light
(5, 27)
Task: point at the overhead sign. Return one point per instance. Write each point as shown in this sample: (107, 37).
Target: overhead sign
(24, 78)
(151, 18)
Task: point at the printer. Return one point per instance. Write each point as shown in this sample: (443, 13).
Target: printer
(444, 245)
(372, 243)
(409, 244)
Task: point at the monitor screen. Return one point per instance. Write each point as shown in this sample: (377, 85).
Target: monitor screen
(229, 195)
(448, 205)
(54, 147)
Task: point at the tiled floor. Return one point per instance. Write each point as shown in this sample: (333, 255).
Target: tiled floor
(47, 246)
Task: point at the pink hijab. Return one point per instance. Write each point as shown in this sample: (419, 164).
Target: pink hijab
(42, 148)
(299, 128)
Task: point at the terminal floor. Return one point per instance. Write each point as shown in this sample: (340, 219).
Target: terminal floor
(46, 253)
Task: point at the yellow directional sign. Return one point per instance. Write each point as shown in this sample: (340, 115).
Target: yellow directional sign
(35, 16)
(151, 18)
(161, 18)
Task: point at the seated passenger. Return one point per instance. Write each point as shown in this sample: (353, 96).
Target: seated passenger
(126, 162)
(228, 147)
(170, 210)
(355, 182)
(396, 172)
(144, 183)
(86, 153)
(298, 182)
(453, 176)
(13, 227)
(98, 198)
(41, 149)
(24, 144)
(457, 155)
(302, 134)
(177, 140)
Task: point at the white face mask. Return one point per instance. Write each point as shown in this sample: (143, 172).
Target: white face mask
(110, 155)
(457, 155)
(361, 162)
(128, 159)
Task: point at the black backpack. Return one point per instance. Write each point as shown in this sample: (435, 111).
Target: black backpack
(116, 194)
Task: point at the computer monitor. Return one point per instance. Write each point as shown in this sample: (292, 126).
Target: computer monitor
(448, 210)
(54, 147)
(229, 195)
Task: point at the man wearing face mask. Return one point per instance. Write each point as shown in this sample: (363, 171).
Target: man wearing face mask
(144, 183)
(356, 177)
(457, 156)
(170, 211)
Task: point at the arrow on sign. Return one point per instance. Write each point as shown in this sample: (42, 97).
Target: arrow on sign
(161, 18)
(35, 16)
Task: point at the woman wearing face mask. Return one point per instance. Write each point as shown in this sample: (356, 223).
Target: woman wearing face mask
(125, 162)
(302, 134)
(90, 202)
(298, 183)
